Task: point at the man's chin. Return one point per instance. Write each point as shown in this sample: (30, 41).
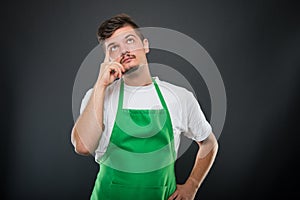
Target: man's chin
(128, 66)
(131, 69)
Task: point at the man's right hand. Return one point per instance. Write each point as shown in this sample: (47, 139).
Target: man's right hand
(109, 71)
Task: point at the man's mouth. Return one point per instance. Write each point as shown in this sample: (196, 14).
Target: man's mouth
(127, 59)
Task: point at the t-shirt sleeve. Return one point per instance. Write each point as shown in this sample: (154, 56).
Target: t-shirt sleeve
(85, 99)
(198, 128)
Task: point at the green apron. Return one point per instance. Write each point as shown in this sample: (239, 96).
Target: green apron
(139, 161)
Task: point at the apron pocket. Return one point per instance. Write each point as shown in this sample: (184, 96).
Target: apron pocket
(128, 192)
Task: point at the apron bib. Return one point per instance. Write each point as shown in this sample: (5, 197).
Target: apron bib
(140, 157)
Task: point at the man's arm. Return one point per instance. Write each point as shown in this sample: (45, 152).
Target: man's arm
(204, 160)
(89, 125)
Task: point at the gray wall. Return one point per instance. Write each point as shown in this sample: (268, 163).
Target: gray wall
(255, 45)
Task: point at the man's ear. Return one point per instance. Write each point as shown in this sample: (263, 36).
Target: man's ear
(146, 45)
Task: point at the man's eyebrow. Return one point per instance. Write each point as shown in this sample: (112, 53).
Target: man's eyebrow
(129, 36)
(110, 44)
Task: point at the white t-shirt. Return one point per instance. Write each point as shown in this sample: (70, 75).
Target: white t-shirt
(185, 112)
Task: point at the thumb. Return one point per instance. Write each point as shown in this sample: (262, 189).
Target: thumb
(106, 59)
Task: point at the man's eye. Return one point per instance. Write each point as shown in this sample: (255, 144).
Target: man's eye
(113, 48)
(130, 41)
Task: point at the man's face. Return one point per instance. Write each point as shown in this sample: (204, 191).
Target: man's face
(126, 47)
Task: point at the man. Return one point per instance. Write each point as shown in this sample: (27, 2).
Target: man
(132, 123)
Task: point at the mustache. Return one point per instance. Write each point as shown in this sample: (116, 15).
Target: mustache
(126, 56)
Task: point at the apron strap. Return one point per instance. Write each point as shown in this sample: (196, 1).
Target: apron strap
(161, 98)
(121, 95)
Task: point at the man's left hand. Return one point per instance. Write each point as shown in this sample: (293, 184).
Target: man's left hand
(186, 191)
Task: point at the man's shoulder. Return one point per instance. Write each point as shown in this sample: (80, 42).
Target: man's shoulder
(166, 85)
(175, 93)
(109, 90)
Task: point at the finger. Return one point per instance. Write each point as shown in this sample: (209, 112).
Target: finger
(106, 59)
(111, 66)
(118, 73)
(114, 75)
(120, 66)
(115, 71)
(179, 197)
(173, 195)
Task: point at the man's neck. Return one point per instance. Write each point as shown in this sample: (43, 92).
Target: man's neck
(140, 77)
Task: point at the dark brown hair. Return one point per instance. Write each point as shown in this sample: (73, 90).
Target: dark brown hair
(108, 27)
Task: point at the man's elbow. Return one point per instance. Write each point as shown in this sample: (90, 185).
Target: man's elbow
(81, 150)
(216, 147)
(79, 147)
(213, 142)
(209, 146)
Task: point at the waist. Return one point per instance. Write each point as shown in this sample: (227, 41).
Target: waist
(160, 177)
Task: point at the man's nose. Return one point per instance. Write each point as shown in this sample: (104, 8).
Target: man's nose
(124, 49)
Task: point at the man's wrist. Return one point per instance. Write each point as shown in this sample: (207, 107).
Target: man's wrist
(193, 182)
(99, 87)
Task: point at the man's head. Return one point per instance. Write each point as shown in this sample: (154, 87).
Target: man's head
(108, 27)
(121, 38)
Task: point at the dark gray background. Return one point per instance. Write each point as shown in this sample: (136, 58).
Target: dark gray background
(255, 45)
